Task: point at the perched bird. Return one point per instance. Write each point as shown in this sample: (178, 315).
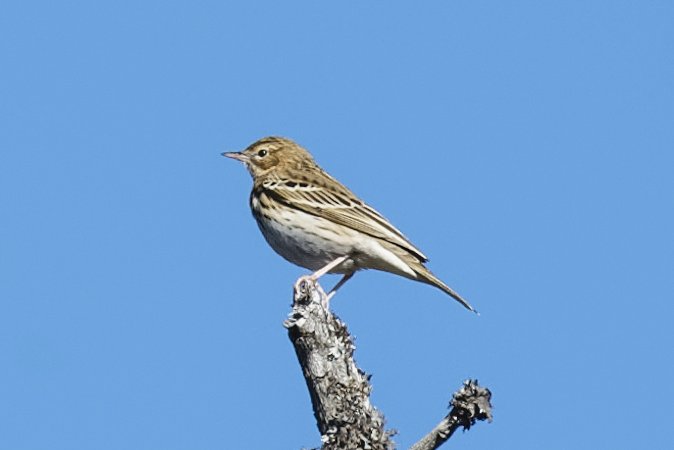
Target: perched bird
(314, 221)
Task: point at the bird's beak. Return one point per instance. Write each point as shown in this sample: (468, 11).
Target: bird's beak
(236, 155)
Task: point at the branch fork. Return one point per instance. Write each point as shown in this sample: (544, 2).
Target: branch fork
(340, 390)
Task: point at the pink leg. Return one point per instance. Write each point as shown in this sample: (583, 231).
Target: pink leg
(339, 284)
(328, 267)
(319, 273)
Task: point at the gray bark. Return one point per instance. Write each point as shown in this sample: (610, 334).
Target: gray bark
(469, 404)
(340, 391)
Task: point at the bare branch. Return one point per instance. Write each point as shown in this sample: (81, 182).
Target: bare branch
(339, 389)
(469, 404)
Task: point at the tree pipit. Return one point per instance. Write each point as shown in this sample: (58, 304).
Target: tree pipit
(314, 221)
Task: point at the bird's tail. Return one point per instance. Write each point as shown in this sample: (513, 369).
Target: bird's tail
(417, 271)
(426, 276)
(429, 278)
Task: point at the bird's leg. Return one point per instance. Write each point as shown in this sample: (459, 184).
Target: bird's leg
(328, 267)
(340, 283)
(322, 271)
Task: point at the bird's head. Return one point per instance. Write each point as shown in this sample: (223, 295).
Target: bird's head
(272, 153)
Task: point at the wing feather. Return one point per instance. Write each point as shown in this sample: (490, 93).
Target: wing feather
(333, 201)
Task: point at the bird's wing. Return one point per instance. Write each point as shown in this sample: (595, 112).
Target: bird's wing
(333, 201)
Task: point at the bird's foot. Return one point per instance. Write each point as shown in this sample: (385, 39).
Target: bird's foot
(325, 300)
(305, 284)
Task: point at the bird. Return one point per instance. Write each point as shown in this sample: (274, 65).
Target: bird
(315, 222)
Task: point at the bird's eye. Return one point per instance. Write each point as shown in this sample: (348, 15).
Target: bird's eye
(262, 153)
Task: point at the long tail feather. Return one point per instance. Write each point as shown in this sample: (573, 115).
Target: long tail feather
(427, 277)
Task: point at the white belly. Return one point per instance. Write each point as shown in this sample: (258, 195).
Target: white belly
(312, 242)
(306, 240)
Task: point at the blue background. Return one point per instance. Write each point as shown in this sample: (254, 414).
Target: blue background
(526, 147)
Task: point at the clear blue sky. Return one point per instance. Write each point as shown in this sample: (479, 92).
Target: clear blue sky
(527, 147)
